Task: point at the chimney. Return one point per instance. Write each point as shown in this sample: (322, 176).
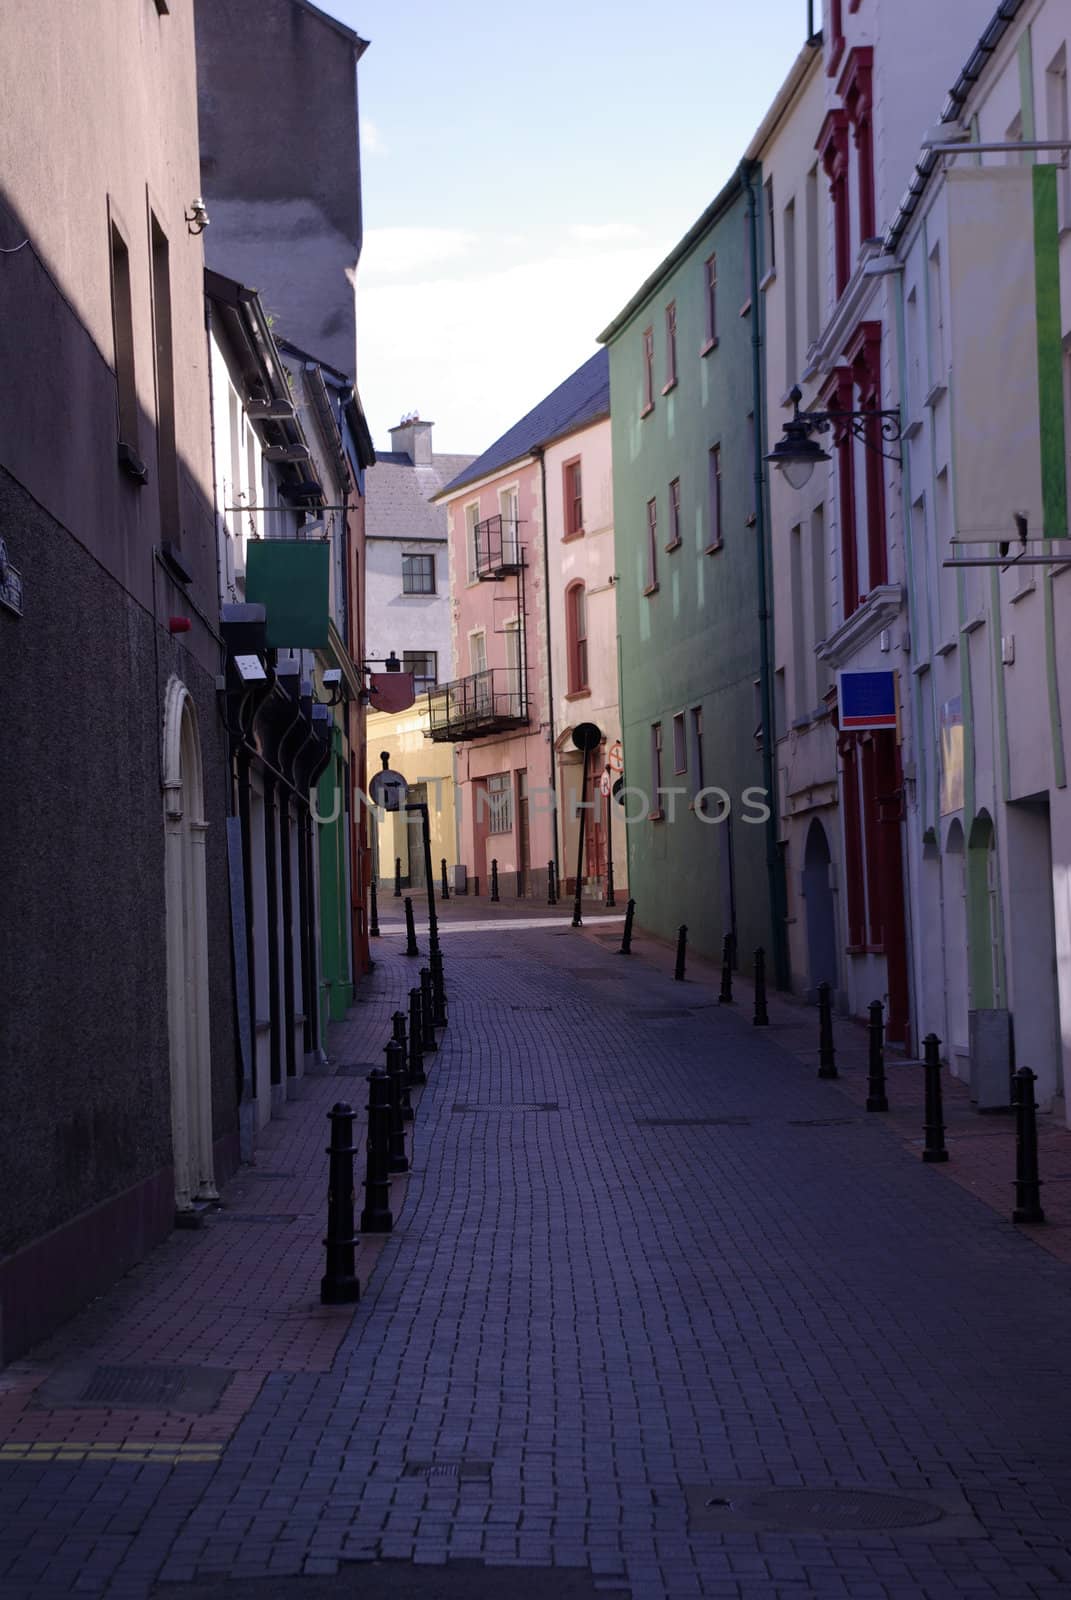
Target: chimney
(412, 437)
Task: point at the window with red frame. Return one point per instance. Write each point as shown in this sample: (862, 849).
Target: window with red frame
(671, 346)
(574, 499)
(576, 632)
(652, 545)
(710, 294)
(648, 371)
(674, 515)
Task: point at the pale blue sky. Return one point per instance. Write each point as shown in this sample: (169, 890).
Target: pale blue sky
(524, 170)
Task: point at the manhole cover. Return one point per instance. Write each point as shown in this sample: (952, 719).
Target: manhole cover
(534, 1105)
(693, 1122)
(154, 1388)
(809, 1510)
(438, 1470)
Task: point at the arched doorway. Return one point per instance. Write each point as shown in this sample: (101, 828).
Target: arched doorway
(954, 895)
(821, 911)
(187, 952)
(983, 908)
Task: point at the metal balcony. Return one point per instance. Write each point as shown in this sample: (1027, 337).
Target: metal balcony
(493, 701)
(499, 553)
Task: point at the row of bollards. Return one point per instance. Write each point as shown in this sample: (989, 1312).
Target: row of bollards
(390, 1107)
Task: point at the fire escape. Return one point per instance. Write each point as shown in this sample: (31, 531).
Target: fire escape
(496, 699)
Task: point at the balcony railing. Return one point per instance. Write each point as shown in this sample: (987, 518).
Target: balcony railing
(498, 550)
(493, 701)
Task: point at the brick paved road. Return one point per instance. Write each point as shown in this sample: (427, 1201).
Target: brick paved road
(642, 1251)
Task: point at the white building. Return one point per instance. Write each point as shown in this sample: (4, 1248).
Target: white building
(983, 302)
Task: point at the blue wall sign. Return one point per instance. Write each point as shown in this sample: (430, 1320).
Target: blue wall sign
(867, 699)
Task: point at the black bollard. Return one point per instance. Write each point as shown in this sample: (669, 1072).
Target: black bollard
(339, 1286)
(476, 888)
(626, 937)
(552, 887)
(827, 1061)
(427, 1013)
(398, 1020)
(935, 1115)
(438, 990)
(377, 1216)
(876, 1099)
(446, 886)
(1027, 1181)
(397, 877)
(494, 882)
(725, 998)
(397, 1160)
(411, 947)
(373, 908)
(610, 897)
(761, 1018)
(682, 951)
(416, 1029)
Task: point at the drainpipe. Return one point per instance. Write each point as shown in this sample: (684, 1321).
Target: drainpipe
(541, 454)
(775, 879)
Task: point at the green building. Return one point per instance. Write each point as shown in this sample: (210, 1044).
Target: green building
(690, 524)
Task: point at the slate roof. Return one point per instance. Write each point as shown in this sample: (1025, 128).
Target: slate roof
(582, 398)
(397, 494)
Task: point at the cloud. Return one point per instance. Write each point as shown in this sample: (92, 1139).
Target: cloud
(372, 142)
(476, 350)
(605, 232)
(389, 252)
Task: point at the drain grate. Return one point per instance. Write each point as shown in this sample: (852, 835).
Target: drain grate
(447, 1471)
(824, 1122)
(809, 1510)
(516, 1105)
(257, 1216)
(156, 1388)
(693, 1122)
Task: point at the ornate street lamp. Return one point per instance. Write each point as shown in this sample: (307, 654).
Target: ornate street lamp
(796, 454)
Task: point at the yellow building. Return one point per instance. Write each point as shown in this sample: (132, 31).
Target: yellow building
(429, 770)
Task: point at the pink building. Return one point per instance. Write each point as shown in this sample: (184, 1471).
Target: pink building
(499, 708)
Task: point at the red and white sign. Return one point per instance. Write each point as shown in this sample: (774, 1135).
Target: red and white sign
(604, 784)
(616, 757)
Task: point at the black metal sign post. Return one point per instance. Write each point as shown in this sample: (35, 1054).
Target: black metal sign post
(587, 737)
(425, 828)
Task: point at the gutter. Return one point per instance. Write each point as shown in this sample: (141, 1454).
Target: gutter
(775, 883)
(801, 69)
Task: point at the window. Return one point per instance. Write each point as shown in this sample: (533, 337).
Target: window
(836, 36)
(697, 750)
(680, 743)
(791, 290)
(674, 515)
(671, 346)
(714, 491)
(166, 452)
(477, 652)
(748, 242)
(499, 803)
(652, 546)
(648, 371)
(123, 337)
(424, 665)
(574, 499)
(472, 540)
(1058, 123)
(770, 240)
(937, 318)
(576, 635)
(656, 769)
(813, 290)
(751, 518)
(710, 296)
(418, 574)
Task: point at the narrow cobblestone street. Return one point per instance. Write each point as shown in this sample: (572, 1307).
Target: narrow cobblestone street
(644, 1261)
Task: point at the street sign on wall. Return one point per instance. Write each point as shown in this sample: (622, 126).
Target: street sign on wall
(867, 700)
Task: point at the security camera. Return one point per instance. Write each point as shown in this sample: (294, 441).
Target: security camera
(332, 675)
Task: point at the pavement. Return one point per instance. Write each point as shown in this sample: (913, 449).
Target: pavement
(662, 1315)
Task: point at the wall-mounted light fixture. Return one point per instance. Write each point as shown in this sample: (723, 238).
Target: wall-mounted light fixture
(197, 217)
(796, 454)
